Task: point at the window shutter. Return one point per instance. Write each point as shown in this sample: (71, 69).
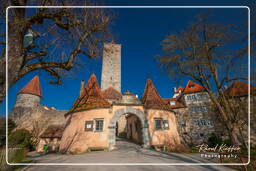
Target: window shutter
(88, 126)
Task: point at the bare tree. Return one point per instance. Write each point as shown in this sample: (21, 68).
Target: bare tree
(207, 53)
(37, 128)
(49, 39)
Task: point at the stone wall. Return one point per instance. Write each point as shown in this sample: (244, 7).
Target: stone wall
(198, 121)
(111, 67)
(195, 128)
(27, 100)
(121, 125)
(37, 118)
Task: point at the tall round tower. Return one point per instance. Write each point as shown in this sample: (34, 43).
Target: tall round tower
(29, 95)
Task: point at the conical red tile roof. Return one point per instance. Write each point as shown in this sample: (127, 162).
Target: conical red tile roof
(192, 87)
(151, 98)
(111, 93)
(33, 87)
(91, 97)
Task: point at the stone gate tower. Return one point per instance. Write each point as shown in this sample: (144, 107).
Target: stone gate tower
(111, 66)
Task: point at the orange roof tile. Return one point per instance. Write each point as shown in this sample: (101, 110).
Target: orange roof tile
(33, 87)
(53, 131)
(91, 97)
(151, 98)
(238, 89)
(177, 103)
(111, 93)
(192, 87)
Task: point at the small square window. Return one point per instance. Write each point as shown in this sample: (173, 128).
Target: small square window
(203, 122)
(205, 108)
(210, 123)
(88, 126)
(99, 125)
(158, 124)
(172, 103)
(188, 97)
(191, 86)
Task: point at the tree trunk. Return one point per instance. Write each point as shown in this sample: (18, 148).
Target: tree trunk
(15, 51)
(225, 120)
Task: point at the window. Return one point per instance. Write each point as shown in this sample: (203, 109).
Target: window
(165, 124)
(210, 123)
(99, 125)
(191, 86)
(204, 108)
(202, 122)
(188, 98)
(196, 122)
(158, 124)
(161, 124)
(193, 109)
(88, 126)
(172, 103)
(197, 109)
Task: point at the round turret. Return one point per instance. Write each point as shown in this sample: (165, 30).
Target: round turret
(30, 94)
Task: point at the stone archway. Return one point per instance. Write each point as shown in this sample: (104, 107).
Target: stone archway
(125, 110)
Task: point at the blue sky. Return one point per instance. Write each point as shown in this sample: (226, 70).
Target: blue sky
(140, 31)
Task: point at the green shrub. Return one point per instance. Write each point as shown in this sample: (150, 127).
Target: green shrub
(227, 142)
(19, 155)
(20, 138)
(11, 126)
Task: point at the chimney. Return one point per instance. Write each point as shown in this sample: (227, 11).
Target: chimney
(81, 87)
(175, 89)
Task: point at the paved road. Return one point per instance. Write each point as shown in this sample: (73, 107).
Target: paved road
(125, 153)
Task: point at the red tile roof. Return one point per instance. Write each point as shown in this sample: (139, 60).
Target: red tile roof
(177, 103)
(111, 93)
(151, 98)
(91, 97)
(192, 87)
(53, 131)
(239, 89)
(33, 87)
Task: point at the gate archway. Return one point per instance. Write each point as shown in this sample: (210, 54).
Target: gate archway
(116, 116)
